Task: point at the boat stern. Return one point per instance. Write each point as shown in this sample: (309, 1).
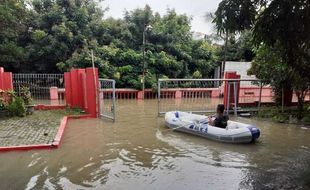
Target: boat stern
(255, 132)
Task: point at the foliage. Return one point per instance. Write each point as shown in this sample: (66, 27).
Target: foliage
(26, 95)
(59, 29)
(231, 17)
(17, 107)
(59, 35)
(170, 50)
(13, 104)
(280, 26)
(234, 16)
(12, 28)
(289, 115)
(268, 66)
(6, 97)
(2, 105)
(239, 49)
(284, 24)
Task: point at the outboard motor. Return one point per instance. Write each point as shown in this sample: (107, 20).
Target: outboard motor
(177, 114)
(255, 132)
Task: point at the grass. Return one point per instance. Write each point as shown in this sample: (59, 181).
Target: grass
(289, 114)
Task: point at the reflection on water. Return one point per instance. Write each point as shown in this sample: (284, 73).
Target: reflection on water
(139, 152)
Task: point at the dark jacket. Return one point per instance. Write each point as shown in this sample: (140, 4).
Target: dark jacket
(221, 121)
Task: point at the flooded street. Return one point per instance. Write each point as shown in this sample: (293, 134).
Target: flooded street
(139, 152)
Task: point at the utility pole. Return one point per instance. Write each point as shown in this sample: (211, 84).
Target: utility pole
(225, 52)
(145, 29)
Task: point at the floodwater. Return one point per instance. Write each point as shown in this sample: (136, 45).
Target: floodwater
(139, 152)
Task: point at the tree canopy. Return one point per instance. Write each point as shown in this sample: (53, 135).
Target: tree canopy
(280, 32)
(57, 35)
(12, 29)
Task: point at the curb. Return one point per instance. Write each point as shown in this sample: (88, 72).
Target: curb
(25, 147)
(49, 107)
(60, 132)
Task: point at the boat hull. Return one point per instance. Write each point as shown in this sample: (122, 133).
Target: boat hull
(235, 132)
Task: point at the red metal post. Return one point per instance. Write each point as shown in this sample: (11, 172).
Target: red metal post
(231, 75)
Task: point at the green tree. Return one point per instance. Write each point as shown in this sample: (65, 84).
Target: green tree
(231, 17)
(240, 49)
(269, 66)
(57, 35)
(60, 29)
(285, 23)
(12, 30)
(281, 24)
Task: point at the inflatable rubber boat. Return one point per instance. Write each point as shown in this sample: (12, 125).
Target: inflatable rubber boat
(195, 124)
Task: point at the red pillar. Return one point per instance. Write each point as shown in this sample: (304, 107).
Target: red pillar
(82, 89)
(1, 77)
(68, 91)
(6, 80)
(74, 87)
(92, 91)
(77, 93)
(231, 75)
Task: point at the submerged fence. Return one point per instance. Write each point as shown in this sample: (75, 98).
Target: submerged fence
(202, 95)
(40, 86)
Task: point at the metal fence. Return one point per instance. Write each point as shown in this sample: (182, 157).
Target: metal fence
(203, 95)
(106, 96)
(39, 86)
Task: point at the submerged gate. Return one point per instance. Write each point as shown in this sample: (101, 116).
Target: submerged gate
(203, 95)
(107, 99)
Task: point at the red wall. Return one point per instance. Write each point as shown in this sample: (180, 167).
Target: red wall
(253, 91)
(6, 81)
(82, 90)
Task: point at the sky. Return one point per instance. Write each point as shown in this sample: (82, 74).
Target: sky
(194, 8)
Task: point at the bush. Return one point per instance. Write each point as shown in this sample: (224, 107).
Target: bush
(17, 107)
(1, 104)
(26, 95)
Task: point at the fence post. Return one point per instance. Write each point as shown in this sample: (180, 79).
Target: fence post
(114, 106)
(235, 99)
(228, 98)
(53, 93)
(158, 98)
(260, 95)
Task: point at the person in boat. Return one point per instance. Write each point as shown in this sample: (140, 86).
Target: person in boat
(220, 119)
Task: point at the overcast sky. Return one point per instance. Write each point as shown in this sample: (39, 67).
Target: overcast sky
(195, 8)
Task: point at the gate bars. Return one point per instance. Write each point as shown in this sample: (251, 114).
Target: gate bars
(202, 95)
(106, 97)
(39, 84)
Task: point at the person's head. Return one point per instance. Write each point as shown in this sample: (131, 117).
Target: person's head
(220, 109)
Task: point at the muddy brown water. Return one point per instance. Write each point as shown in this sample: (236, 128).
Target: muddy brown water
(138, 152)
